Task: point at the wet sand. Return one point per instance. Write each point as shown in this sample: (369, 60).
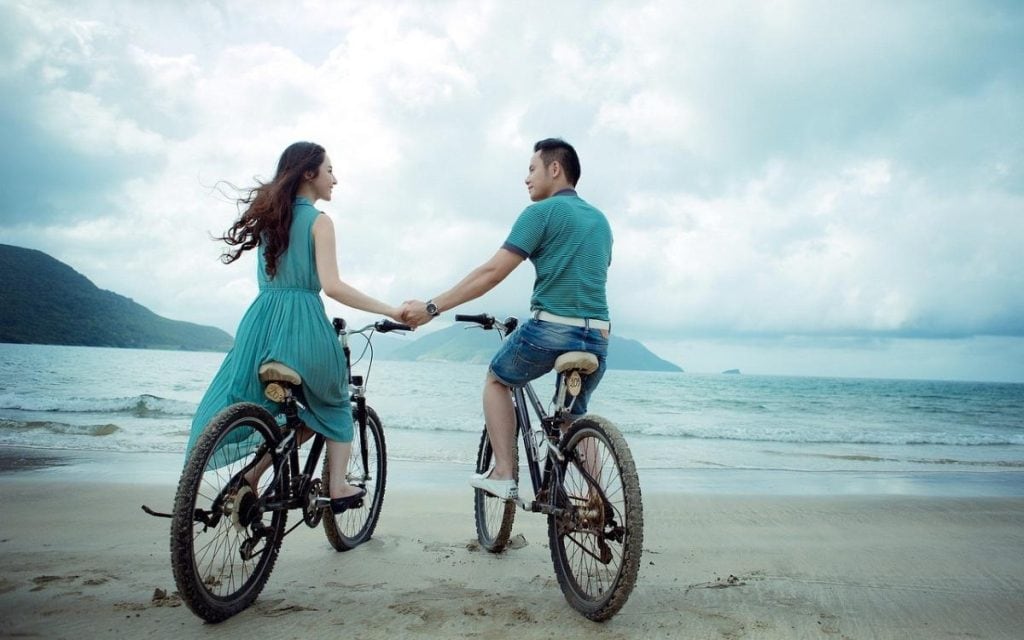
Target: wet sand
(81, 560)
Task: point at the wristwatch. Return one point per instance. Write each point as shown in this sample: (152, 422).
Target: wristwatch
(432, 308)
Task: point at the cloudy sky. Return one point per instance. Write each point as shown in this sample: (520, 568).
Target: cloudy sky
(795, 187)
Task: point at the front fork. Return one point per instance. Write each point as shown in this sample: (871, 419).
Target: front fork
(359, 398)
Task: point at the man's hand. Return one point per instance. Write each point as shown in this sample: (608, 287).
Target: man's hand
(414, 312)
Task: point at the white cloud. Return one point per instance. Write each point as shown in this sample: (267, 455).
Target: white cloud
(650, 118)
(772, 169)
(94, 128)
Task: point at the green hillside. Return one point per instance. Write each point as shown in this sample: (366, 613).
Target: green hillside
(47, 302)
(461, 343)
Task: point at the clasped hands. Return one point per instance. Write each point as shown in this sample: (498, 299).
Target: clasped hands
(414, 313)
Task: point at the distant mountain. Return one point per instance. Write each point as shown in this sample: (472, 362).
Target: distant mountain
(462, 343)
(47, 302)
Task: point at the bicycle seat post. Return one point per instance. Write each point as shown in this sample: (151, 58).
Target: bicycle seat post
(572, 367)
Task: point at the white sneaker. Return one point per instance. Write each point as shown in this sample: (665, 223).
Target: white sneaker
(501, 489)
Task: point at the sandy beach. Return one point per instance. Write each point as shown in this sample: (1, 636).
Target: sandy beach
(81, 560)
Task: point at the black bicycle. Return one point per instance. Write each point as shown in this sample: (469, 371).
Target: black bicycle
(584, 480)
(225, 533)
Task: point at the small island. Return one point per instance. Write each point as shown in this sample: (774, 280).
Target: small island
(732, 372)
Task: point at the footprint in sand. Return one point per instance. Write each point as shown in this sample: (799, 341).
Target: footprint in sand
(276, 608)
(163, 599)
(6, 585)
(517, 541)
(719, 583)
(42, 582)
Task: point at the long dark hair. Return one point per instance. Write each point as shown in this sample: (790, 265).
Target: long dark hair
(267, 218)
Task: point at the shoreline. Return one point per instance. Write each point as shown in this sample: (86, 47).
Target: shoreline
(85, 561)
(163, 469)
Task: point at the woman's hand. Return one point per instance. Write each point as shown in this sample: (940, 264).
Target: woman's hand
(397, 313)
(414, 313)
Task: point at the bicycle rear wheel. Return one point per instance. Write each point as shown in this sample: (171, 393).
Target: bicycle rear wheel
(597, 536)
(224, 542)
(494, 516)
(349, 529)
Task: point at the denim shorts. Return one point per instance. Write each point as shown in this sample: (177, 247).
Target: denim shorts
(531, 350)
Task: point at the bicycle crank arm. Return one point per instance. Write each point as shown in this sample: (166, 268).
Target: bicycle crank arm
(535, 506)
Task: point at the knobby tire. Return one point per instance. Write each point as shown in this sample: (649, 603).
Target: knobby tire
(494, 517)
(596, 545)
(212, 577)
(351, 528)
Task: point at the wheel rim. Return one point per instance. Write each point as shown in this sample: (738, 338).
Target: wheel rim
(493, 515)
(352, 523)
(586, 542)
(228, 555)
(490, 510)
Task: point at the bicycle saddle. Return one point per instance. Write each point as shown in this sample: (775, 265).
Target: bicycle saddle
(585, 362)
(277, 372)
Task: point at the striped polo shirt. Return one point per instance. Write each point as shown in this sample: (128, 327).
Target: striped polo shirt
(569, 243)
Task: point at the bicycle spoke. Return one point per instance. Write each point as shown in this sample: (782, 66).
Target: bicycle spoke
(494, 517)
(349, 529)
(218, 516)
(596, 537)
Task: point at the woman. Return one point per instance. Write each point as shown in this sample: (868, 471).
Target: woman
(287, 322)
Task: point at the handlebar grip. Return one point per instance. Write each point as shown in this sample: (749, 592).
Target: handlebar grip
(339, 325)
(385, 326)
(480, 318)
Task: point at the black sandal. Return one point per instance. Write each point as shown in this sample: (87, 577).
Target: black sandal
(354, 501)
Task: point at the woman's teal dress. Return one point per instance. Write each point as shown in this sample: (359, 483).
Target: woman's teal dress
(286, 323)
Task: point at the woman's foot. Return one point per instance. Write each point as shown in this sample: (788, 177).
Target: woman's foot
(353, 500)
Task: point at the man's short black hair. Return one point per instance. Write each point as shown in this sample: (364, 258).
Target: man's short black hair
(552, 149)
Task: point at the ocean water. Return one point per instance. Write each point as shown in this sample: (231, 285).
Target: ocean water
(735, 433)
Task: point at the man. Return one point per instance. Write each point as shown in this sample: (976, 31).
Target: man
(570, 244)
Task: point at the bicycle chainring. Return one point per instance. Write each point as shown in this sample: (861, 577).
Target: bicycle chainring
(312, 506)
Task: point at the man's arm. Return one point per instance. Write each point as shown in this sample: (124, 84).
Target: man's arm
(478, 282)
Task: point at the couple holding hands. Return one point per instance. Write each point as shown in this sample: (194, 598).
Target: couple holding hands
(568, 241)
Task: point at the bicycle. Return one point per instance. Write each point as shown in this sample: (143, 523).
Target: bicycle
(588, 488)
(226, 534)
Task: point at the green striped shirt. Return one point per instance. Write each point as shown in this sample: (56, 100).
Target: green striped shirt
(569, 243)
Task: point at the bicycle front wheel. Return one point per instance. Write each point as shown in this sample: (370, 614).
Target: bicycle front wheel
(349, 529)
(596, 535)
(494, 516)
(224, 540)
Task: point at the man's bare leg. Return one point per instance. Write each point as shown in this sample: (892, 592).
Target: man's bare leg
(500, 417)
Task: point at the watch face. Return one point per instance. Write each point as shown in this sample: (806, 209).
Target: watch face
(432, 308)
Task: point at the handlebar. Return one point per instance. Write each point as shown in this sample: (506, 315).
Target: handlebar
(488, 322)
(482, 319)
(384, 326)
(381, 326)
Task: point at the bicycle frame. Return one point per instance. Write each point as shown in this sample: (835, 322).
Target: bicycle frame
(536, 442)
(300, 481)
(584, 480)
(542, 442)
